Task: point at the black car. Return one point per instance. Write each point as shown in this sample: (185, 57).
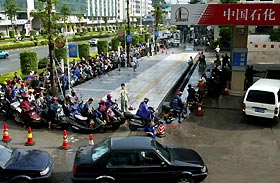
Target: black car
(136, 158)
(24, 166)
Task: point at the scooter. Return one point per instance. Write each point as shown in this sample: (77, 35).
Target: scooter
(82, 124)
(34, 120)
(135, 122)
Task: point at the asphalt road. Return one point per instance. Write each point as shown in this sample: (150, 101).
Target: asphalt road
(12, 63)
(233, 150)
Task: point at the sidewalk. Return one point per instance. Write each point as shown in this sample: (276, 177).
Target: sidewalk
(153, 79)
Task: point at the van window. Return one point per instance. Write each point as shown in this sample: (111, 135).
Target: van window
(261, 97)
(278, 93)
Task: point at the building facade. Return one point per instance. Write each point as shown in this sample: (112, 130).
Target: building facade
(93, 11)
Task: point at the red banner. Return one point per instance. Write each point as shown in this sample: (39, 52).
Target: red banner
(226, 14)
(241, 14)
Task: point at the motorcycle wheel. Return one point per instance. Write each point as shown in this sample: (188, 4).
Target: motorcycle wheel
(102, 129)
(132, 127)
(115, 126)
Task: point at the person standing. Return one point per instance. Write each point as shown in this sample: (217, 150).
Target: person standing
(124, 98)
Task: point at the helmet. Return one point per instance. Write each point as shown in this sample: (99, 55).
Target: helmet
(25, 95)
(146, 100)
(30, 90)
(102, 101)
(109, 95)
(9, 90)
(22, 84)
(5, 83)
(54, 99)
(179, 93)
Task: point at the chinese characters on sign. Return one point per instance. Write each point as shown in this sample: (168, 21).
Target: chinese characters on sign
(250, 14)
(239, 59)
(227, 14)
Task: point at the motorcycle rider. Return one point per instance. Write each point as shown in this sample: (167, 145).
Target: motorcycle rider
(74, 98)
(150, 129)
(109, 101)
(177, 104)
(26, 107)
(52, 111)
(103, 109)
(9, 97)
(191, 93)
(87, 109)
(144, 111)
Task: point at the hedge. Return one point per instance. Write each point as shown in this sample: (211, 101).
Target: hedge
(28, 60)
(12, 33)
(18, 44)
(83, 49)
(43, 63)
(115, 43)
(102, 46)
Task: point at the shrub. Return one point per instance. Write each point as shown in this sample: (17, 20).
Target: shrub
(61, 53)
(102, 28)
(89, 29)
(84, 30)
(135, 39)
(78, 30)
(115, 43)
(122, 41)
(16, 45)
(147, 36)
(28, 60)
(83, 49)
(102, 46)
(12, 33)
(43, 63)
(22, 34)
(141, 38)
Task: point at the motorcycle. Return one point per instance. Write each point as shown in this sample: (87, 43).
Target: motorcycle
(34, 120)
(115, 115)
(85, 124)
(135, 122)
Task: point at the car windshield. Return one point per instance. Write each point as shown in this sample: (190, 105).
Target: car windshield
(261, 97)
(100, 149)
(163, 151)
(5, 155)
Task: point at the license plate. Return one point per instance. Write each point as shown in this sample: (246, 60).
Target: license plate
(259, 110)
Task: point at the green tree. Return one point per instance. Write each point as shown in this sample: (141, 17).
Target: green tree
(11, 9)
(49, 19)
(65, 12)
(274, 35)
(158, 13)
(80, 17)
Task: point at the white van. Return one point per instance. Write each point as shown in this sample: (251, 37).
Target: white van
(262, 99)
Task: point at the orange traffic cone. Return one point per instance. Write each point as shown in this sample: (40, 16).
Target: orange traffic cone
(29, 141)
(199, 109)
(91, 142)
(6, 138)
(161, 130)
(65, 144)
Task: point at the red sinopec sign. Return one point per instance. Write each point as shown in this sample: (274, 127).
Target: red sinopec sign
(225, 14)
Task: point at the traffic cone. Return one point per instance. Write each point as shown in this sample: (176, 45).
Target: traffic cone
(161, 130)
(6, 138)
(29, 141)
(65, 144)
(199, 109)
(226, 92)
(91, 142)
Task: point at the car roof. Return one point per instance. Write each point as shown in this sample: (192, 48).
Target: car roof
(266, 85)
(131, 142)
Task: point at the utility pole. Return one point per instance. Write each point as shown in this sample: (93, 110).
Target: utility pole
(128, 32)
